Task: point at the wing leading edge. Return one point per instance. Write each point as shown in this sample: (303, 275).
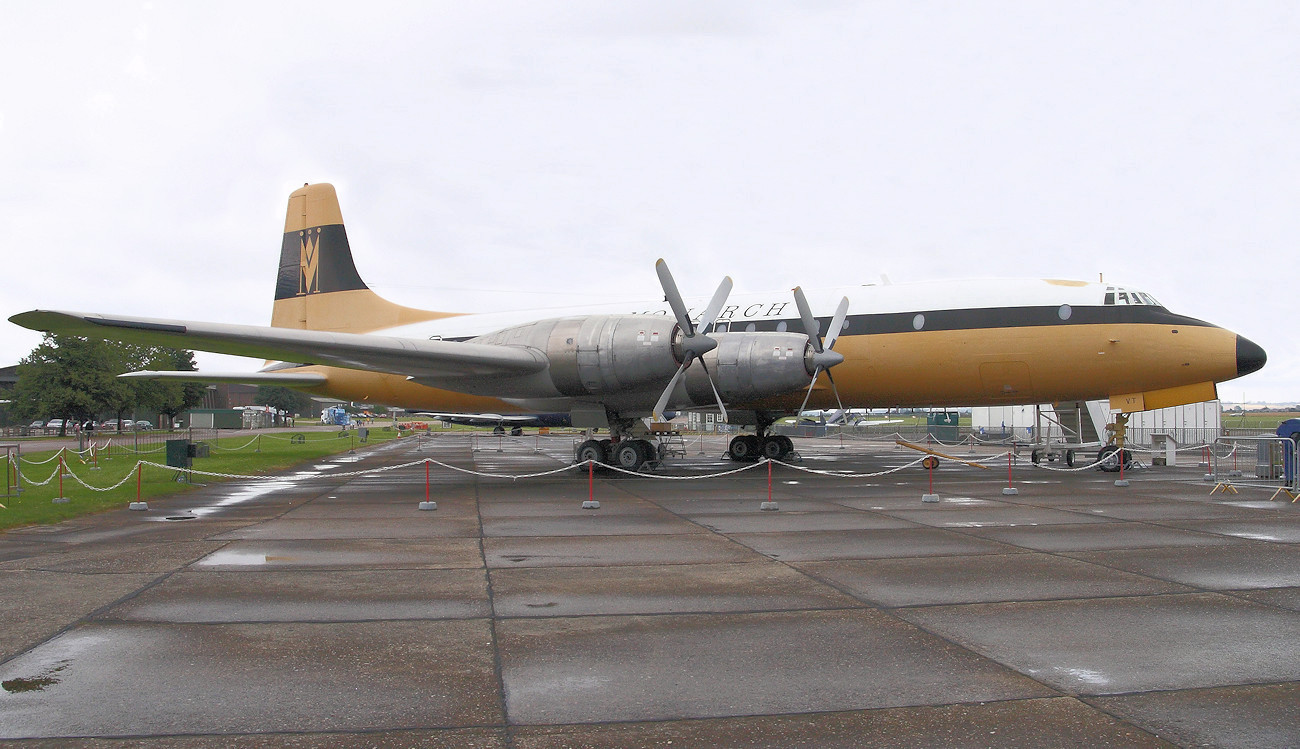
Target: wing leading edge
(444, 360)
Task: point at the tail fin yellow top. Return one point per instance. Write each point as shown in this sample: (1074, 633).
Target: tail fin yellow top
(318, 287)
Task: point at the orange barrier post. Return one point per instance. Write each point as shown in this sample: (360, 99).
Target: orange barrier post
(591, 503)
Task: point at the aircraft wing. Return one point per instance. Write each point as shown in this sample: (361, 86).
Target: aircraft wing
(479, 419)
(447, 360)
(286, 379)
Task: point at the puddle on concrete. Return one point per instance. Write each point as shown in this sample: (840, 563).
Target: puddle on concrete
(242, 495)
(236, 558)
(33, 684)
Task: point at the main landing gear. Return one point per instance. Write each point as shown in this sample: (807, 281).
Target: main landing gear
(627, 448)
(746, 448)
(628, 454)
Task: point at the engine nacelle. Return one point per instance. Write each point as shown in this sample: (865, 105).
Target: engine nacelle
(749, 366)
(598, 355)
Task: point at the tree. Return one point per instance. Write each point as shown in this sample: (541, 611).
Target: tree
(76, 379)
(166, 396)
(69, 378)
(283, 399)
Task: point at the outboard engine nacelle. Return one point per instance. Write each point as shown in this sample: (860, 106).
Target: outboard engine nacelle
(750, 366)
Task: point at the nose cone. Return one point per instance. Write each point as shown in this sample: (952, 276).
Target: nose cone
(1250, 357)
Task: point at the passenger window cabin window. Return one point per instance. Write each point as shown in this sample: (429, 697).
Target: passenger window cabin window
(1110, 297)
(1123, 297)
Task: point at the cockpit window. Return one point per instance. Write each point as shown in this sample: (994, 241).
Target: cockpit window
(1117, 295)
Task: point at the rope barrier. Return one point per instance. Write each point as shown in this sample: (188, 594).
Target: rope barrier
(584, 465)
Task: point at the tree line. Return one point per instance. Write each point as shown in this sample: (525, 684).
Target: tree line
(76, 379)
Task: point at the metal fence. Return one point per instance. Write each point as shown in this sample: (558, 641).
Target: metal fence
(1267, 461)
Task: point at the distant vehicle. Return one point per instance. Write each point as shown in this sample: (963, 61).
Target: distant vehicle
(53, 425)
(141, 426)
(111, 425)
(336, 415)
(36, 424)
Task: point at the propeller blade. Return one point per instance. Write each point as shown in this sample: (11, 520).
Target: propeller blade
(715, 305)
(834, 389)
(721, 408)
(809, 322)
(804, 406)
(668, 392)
(837, 323)
(674, 297)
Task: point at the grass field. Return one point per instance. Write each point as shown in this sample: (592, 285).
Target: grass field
(232, 455)
(1256, 420)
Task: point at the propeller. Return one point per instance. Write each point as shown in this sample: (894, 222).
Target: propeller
(823, 357)
(694, 343)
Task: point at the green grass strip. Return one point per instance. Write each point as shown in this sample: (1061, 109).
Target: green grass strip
(242, 456)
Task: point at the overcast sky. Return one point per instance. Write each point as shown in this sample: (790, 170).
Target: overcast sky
(504, 155)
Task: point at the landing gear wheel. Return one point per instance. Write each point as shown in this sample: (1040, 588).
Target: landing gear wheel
(498, 430)
(787, 445)
(1035, 456)
(1069, 458)
(590, 450)
(773, 448)
(629, 455)
(1109, 461)
(607, 451)
(516, 431)
(744, 448)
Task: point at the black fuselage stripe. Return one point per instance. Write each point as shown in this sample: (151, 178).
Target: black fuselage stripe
(985, 319)
(988, 318)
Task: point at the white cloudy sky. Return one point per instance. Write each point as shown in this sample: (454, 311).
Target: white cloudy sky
(501, 155)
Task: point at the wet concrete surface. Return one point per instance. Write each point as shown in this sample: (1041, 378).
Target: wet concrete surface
(328, 610)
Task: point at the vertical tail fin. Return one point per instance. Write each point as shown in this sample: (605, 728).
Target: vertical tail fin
(318, 287)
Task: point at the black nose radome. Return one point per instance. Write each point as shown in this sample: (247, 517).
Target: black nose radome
(1250, 357)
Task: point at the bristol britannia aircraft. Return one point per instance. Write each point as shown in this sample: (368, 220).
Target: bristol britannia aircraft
(754, 359)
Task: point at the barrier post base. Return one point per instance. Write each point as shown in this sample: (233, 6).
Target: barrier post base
(1010, 490)
(769, 507)
(60, 500)
(428, 505)
(590, 504)
(1121, 482)
(929, 497)
(138, 506)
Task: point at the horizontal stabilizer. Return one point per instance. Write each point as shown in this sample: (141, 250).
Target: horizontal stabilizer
(447, 360)
(285, 379)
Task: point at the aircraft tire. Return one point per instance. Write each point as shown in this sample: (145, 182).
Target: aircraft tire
(607, 447)
(1069, 458)
(744, 448)
(1109, 462)
(516, 431)
(498, 430)
(787, 446)
(629, 455)
(590, 450)
(1034, 457)
(773, 449)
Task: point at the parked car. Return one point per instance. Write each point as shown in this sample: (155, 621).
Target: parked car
(53, 425)
(141, 426)
(111, 425)
(38, 424)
